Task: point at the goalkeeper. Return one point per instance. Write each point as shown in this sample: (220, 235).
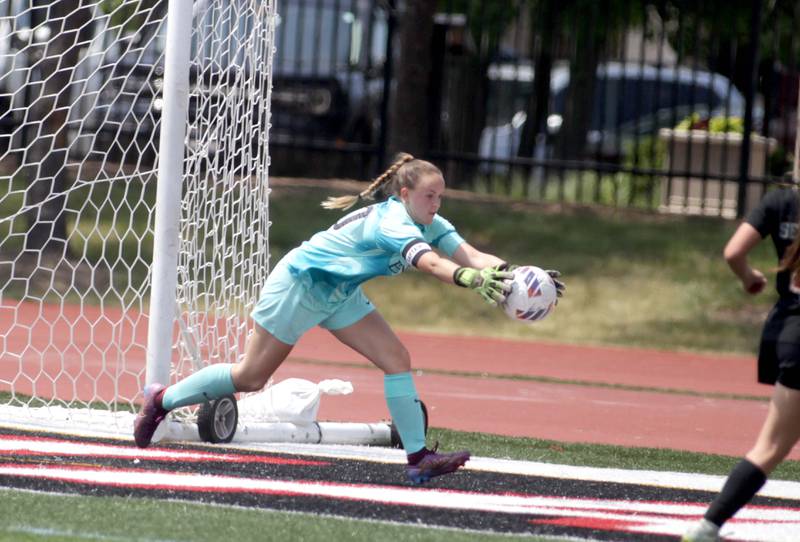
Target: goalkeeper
(319, 283)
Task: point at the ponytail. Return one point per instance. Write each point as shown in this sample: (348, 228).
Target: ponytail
(345, 202)
(791, 258)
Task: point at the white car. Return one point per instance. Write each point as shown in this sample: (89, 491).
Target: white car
(630, 101)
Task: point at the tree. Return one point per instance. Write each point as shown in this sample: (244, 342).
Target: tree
(409, 117)
(589, 38)
(53, 62)
(467, 83)
(52, 66)
(544, 19)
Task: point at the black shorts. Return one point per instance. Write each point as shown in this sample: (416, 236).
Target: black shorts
(779, 352)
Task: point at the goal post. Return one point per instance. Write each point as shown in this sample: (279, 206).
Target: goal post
(133, 195)
(134, 216)
(168, 192)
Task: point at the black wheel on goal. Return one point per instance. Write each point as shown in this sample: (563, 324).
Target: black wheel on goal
(395, 441)
(217, 420)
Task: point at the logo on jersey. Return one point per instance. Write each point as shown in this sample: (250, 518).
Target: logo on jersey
(397, 265)
(352, 217)
(787, 230)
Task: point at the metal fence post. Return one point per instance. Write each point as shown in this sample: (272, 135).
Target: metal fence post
(388, 68)
(796, 162)
(752, 63)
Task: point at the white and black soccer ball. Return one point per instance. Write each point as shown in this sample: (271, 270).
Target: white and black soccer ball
(533, 294)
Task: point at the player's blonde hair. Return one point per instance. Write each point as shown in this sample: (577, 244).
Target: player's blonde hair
(405, 171)
(791, 258)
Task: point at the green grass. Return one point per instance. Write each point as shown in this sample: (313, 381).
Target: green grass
(21, 399)
(28, 516)
(649, 283)
(597, 455)
(633, 278)
(577, 188)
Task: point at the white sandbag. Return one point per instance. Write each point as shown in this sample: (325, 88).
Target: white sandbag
(292, 400)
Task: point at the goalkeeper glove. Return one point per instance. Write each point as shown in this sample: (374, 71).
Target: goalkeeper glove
(560, 286)
(505, 266)
(488, 282)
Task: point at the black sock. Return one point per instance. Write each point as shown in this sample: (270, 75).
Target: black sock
(742, 484)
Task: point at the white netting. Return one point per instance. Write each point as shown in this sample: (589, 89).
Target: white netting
(80, 114)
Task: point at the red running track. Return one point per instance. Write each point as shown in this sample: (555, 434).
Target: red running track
(518, 388)
(690, 414)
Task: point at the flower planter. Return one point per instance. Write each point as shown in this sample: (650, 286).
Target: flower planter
(699, 153)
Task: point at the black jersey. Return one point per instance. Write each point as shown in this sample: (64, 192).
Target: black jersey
(776, 216)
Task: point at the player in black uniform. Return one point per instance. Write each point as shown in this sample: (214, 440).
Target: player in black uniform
(778, 356)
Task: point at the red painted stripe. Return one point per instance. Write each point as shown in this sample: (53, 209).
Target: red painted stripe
(84, 477)
(178, 459)
(603, 524)
(657, 503)
(44, 471)
(665, 515)
(197, 456)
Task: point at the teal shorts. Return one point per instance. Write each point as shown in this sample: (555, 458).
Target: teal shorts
(290, 305)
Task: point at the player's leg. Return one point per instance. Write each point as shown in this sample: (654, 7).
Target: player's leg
(280, 317)
(780, 431)
(263, 355)
(372, 337)
(779, 434)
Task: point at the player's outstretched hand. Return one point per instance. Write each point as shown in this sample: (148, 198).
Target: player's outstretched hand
(488, 282)
(505, 266)
(560, 286)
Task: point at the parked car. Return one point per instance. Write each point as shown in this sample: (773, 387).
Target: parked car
(631, 100)
(328, 70)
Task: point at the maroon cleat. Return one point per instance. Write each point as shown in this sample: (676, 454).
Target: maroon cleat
(435, 464)
(150, 416)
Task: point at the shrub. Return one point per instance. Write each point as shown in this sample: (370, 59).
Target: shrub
(715, 125)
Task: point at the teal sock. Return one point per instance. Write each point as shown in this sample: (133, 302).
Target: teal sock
(406, 411)
(209, 383)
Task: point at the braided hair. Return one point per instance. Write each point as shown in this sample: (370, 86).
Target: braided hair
(404, 171)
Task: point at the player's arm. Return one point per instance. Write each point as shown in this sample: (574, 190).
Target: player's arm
(739, 246)
(441, 268)
(488, 281)
(467, 255)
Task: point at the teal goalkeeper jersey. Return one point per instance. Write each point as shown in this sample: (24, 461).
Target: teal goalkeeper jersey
(381, 239)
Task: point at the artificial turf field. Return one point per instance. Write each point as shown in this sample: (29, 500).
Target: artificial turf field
(102, 489)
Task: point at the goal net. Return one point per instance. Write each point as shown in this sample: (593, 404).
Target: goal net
(100, 120)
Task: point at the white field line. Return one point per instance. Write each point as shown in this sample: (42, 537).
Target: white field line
(416, 526)
(779, 489)
(756, 523)
(703, 482)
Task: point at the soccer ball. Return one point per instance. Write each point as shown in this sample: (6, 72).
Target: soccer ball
(532, 296)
